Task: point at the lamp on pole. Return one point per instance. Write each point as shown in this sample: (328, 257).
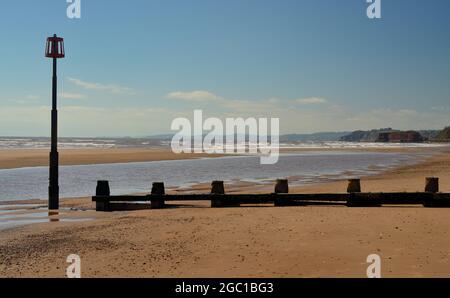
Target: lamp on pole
(54, 49)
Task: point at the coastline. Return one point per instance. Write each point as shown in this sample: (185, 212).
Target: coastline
(24, 158)
(244, 242)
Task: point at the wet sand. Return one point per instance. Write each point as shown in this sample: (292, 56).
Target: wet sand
(19, 158)
(197, 241)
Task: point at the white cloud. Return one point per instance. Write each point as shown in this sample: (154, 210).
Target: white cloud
(111, 88)
(16, 101)
(233, 105)
(311, 100)
(87, 121)
(28, 99)
(33, 97)
(67, 95)
(440, 108)
(195, 96)
(139, 121)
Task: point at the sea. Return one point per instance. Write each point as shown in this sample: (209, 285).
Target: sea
(308, 166)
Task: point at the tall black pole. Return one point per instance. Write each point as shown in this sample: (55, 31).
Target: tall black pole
(53, 188)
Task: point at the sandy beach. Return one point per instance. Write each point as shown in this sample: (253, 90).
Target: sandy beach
(329, 123)
(197, 241)
(19, 158)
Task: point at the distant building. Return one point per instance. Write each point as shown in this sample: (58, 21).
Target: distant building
(400, 137)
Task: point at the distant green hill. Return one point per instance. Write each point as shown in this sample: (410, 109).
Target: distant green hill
(313, 137)
(444, 135)
(365, 136)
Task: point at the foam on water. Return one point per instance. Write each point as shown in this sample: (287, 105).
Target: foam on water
(74, 143)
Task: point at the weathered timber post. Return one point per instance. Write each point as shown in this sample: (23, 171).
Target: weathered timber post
(354, 185)
(281, 187)
(358, 200)
(432, 187)
(217, 188)
(432, 184)
(218, 199)
(158, 190)
(102, 190)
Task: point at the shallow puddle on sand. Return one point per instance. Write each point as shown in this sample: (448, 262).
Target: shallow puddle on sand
(15, 207)
(16, 218)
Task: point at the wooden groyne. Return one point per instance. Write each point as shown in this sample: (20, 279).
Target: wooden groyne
(158, 198)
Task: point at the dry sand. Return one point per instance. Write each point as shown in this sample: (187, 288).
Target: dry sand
(245, 242)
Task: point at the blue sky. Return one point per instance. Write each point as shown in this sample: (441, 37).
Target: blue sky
(134, 66)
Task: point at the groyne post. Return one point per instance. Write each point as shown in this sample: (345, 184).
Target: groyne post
(281, 187)
(217, 188)
(156, 200)
(218, 200)
(432, 184)
(354, 185)
(437, 200)
(357, 199)
(102, 190)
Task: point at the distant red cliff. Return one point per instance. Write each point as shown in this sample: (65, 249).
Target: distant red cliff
(400, 137)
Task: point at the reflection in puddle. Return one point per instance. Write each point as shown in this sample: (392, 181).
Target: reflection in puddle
(6, 211)
(16, 218)
(20, 213)
(52, 213)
